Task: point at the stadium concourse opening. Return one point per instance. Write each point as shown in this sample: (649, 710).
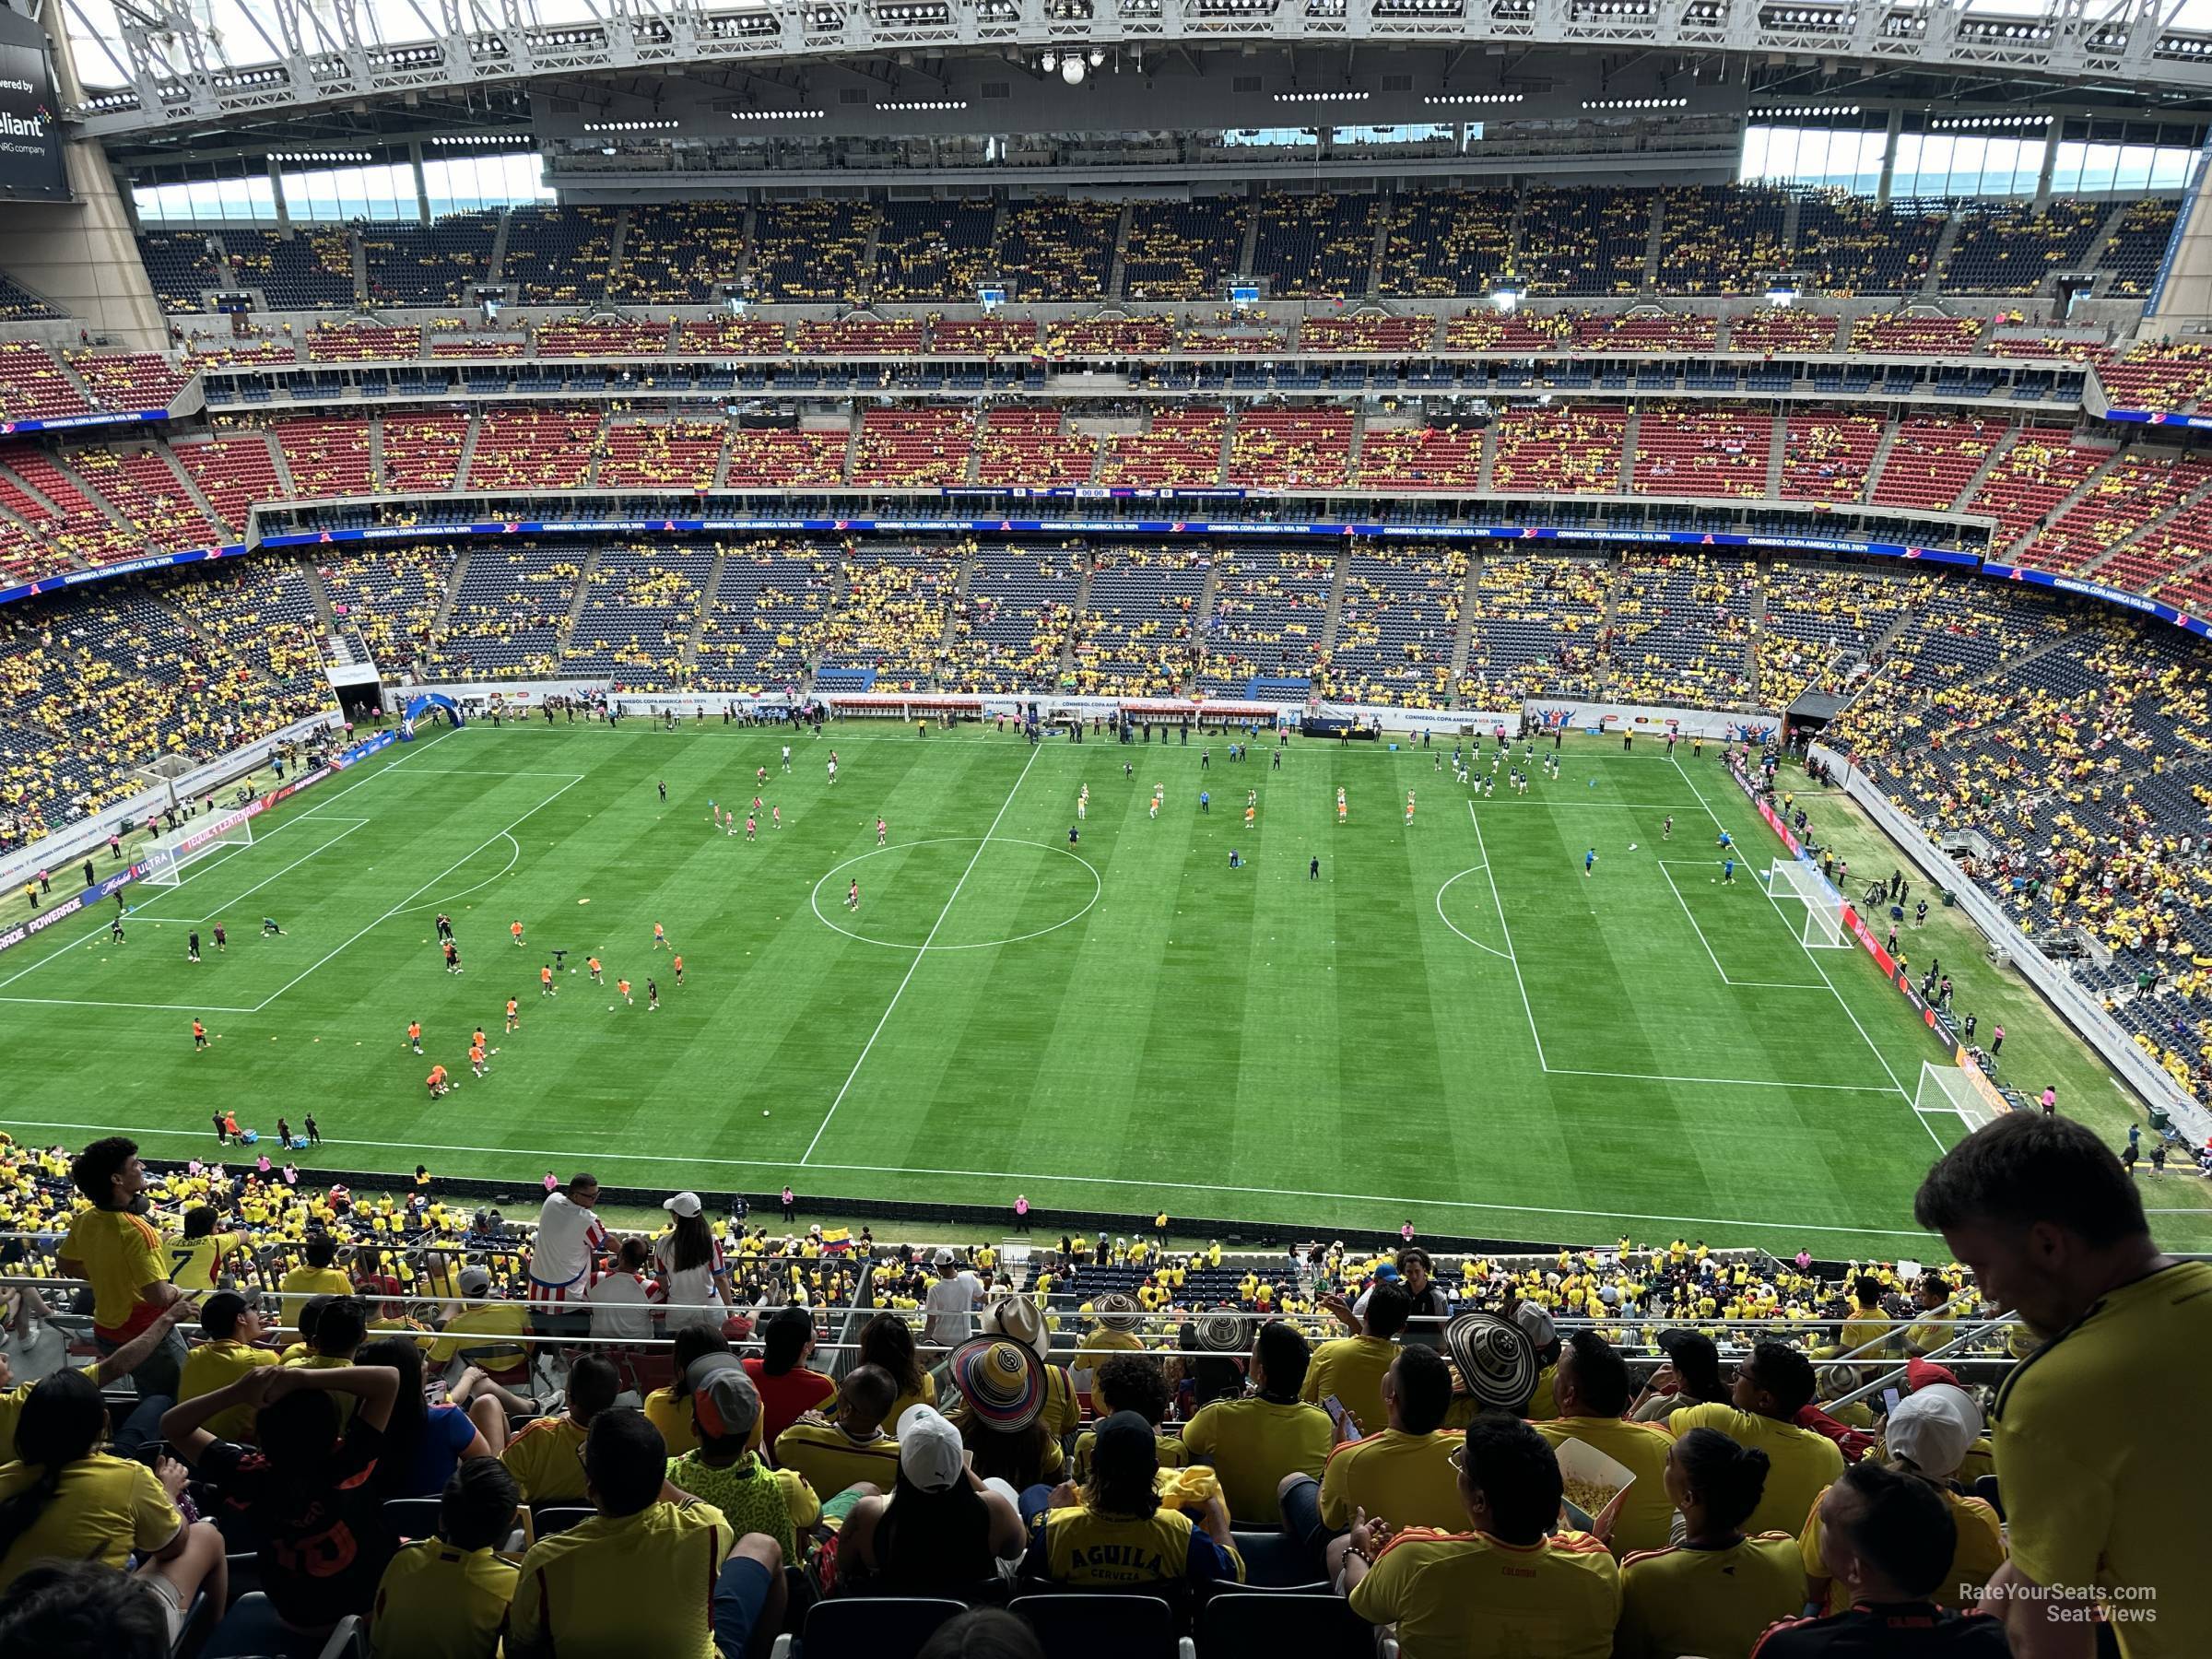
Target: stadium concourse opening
(955, 848)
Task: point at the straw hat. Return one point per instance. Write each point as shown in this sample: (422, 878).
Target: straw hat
(1001, 1383)
(1495, 1359)
(1117, 1311)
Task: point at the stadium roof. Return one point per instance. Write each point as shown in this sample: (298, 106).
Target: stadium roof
(154, 65)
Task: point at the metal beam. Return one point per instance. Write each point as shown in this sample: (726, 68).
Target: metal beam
(182, 77)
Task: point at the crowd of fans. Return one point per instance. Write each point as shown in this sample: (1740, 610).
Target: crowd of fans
(301, 1409)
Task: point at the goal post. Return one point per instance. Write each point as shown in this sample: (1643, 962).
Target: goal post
(167, 856)
(1816, 908)
(1957, 1088)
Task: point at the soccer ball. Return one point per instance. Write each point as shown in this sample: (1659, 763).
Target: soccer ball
(763, 1111)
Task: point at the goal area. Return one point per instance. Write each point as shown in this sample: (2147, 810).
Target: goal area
(1814, 908)
(1957, 1088)
(168, 856)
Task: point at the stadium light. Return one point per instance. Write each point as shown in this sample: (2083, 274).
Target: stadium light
(1072, 70)
(1049, 62)
(1505, 299)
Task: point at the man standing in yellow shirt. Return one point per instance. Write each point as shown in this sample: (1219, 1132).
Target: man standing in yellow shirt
(1772, 1388)
(196, 1254)
(117, 1250)
(1350, 1369)
(2097, 1487)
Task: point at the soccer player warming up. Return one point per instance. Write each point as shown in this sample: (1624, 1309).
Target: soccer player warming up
(436, 1082)
(881, 830)
(1409, 805)
(1589, 860)
(546, 987)
(853, 898)
(452, 957)
(516, 929)
(1343, 809)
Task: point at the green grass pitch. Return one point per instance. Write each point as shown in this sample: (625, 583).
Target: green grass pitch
(1452, 1023)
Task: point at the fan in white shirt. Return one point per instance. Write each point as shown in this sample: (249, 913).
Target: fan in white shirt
(622, 1301)
(949, 1308)
(569, 1234)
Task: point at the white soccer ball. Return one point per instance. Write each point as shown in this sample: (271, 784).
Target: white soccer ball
(764, 1112)
(1631, 846)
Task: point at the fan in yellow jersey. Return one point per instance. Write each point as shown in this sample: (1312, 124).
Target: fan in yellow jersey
(1772, 1388)
(1255, 1440)
(642, 1575)
(1717, 1590)
(1591, 1387)
(543, 1456)
(1928, 1435)
(195, 1257)
(1116, 1534)
(1509, 1586)
(446, 1597)
(2098, 1490)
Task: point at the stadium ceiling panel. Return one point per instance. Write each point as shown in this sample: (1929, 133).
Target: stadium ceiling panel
(148, 67)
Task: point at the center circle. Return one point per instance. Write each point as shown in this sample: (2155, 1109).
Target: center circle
(932, 873)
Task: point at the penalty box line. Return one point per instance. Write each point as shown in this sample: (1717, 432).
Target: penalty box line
(506, 834)
(1849, 1013)
(1543, 1062)
(411, 1148)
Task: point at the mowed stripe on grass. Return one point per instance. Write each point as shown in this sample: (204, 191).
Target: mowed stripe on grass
(1309, 1053)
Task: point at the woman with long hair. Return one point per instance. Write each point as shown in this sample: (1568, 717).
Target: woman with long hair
(689, 1258)
(889, 1341)
(67, 1500)
(939, 1528)
(423, 1443)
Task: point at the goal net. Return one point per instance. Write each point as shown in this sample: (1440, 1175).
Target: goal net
(1957, 1088)
(1814, 909)
(167, 856)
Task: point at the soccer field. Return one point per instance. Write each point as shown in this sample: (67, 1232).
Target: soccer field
(1452, 1023)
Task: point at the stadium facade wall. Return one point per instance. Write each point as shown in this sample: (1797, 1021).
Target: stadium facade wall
(1720, 724)
(65, 846)
(2057, 988)
(1650, 720)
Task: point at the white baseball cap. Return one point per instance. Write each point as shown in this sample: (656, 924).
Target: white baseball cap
(1935, 1426)
(684, 1204)
(930, 1454)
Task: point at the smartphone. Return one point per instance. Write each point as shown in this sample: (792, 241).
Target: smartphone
(1889, 1399)
(1338, 1416)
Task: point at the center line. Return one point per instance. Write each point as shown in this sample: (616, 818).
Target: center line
(867, 1047)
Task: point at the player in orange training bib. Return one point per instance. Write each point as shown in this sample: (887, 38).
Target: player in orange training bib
(516, 929)
(515, 1015)
(545, 981)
